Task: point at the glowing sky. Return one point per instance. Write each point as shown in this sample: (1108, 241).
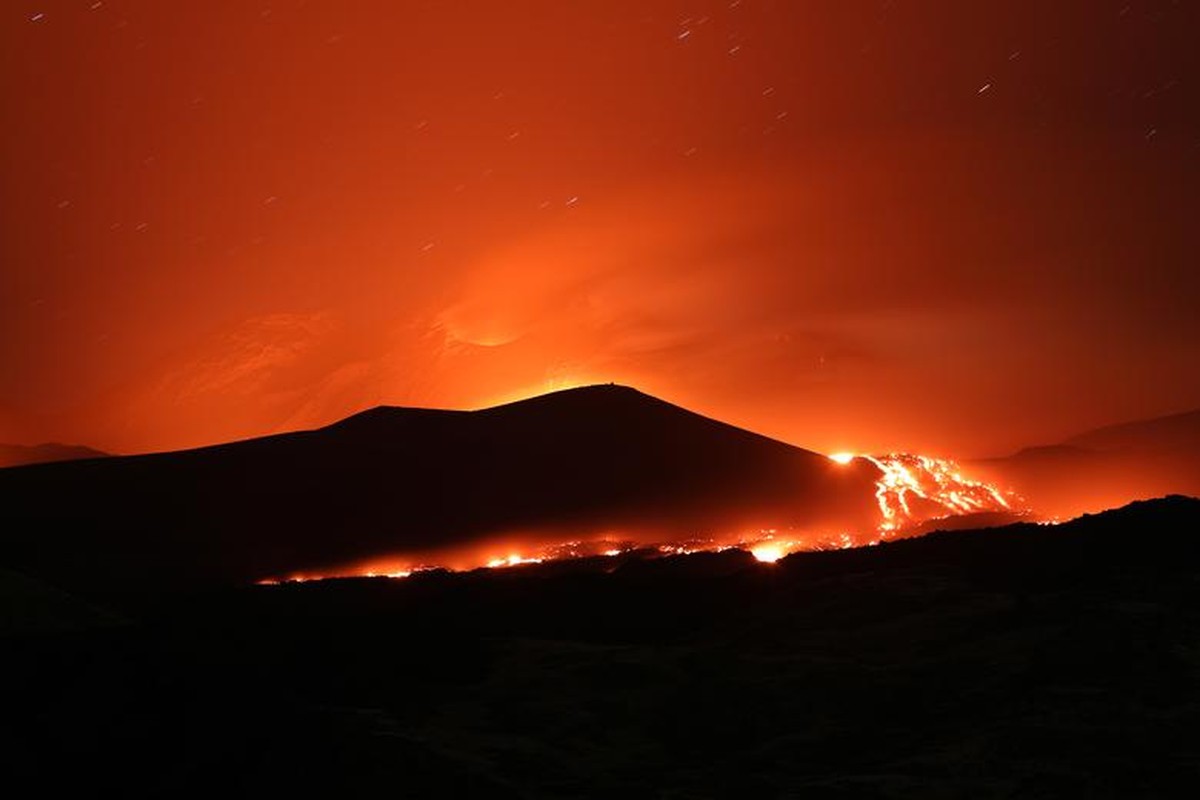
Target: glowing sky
(936, 226)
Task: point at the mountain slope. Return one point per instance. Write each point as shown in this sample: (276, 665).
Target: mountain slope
(392, 480)
(15, 455)
(1175, 432)
(1105, 467)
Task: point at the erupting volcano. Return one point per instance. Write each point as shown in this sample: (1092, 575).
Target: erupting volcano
(594, 472)
(338, 304)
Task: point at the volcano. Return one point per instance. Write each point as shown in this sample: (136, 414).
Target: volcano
(581, 462)
(137, 649)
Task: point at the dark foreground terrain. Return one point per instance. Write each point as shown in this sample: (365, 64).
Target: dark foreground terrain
(1023, 661)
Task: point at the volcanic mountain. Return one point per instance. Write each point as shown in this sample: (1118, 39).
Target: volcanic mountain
(390, 480)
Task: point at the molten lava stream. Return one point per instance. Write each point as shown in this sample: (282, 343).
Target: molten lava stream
(910, 490)
(913, 489)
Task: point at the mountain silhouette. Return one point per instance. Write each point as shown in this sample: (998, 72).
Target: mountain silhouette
(15, 455)
(390, 480)
(1171, 433)
(1105, 467)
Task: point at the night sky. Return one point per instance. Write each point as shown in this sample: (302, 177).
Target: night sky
(953, 227)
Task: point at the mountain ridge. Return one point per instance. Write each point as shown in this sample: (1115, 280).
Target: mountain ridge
(395, 480)
(1104, 467)
(18, 455)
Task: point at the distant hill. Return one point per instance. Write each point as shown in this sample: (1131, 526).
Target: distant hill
(398, 480)
(15, 455)
(1174, 433)
(1105, 467)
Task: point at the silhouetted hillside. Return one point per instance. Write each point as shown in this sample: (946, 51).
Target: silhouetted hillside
(389, 480)
(1159, 435)
(1105, 467)
(15, 455)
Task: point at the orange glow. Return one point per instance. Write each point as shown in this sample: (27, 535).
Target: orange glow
(513, 560)
(914, 488)
(791, 218)
(768, 553)
(831, 225)
(487, 555)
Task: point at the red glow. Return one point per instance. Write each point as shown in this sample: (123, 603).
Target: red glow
(959, 228)
(806, 219)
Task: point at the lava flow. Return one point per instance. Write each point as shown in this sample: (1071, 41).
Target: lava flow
(914, 489)
(911, 492)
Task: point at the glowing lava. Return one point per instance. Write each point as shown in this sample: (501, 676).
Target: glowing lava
(914, 489)
(513, 560)
(910, 490)
(768, 552)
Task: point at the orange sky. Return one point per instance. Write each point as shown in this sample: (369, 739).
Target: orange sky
(954, 227)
